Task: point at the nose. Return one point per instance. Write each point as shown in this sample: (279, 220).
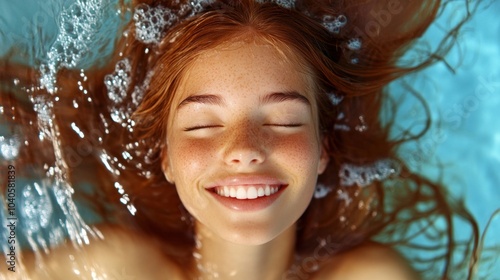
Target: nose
(245, 146)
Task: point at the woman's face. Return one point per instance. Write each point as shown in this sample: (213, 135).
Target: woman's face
(242, 144)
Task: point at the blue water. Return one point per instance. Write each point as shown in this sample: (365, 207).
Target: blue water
(464, 104)
(463, 147)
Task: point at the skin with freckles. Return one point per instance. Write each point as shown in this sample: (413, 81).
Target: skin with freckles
(236, 133)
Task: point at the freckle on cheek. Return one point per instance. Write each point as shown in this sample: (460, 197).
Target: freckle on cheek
(299, 151)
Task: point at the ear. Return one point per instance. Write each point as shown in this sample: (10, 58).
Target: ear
(166, 167)
(324, 158)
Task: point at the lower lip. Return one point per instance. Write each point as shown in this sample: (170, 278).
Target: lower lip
(247, 204)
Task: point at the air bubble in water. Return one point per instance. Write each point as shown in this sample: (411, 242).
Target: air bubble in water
(152, 22)
(9, 147)
(37, 208)
(334, 24)
(288, 4)
(354, 44)
(321, 191)
(362, 126)
(342, 195)
(364, 175)
(118, 82)
(78, 23)
(335, 99)
(341, 127)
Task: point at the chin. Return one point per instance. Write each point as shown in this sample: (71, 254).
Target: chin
(246, 240)
(249, 236)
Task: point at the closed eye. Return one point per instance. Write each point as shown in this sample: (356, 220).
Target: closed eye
(286, 124)
(200, 127)
(214, 126)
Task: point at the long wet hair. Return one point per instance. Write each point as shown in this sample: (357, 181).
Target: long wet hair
(351, 68)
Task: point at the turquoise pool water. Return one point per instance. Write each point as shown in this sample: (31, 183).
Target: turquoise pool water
(465, 104)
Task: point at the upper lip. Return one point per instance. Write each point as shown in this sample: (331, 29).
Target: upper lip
(245, 180)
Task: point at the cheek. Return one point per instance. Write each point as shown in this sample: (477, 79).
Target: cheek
(191, 155)
(299, 152)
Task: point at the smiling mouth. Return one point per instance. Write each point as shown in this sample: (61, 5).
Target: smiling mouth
(246, 191)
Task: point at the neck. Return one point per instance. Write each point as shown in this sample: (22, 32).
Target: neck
(215, 256)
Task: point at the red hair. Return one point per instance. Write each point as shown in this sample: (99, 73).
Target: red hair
(356, 75)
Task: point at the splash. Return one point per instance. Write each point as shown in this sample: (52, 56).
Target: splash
(46, 211)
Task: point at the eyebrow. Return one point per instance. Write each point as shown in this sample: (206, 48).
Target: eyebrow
(275, 97)
(210, 99)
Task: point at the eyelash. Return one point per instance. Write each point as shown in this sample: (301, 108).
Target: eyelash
(212, 126)
(200, 127)
(286, 125)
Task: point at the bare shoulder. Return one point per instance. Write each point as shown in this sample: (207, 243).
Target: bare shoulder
(370, 261)
(120, 255)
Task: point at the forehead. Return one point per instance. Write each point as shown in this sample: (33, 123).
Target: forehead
(245, 66)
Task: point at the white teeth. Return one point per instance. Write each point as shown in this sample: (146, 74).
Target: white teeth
(241, 193)
(251, 192)
(267, 191)
(260, 192)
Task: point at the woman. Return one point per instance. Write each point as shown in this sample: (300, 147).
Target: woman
(256, 150)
